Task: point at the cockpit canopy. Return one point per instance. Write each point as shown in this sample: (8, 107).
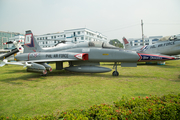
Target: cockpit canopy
(97, 44)
(101, 44)
(164, 38)
(171, 38)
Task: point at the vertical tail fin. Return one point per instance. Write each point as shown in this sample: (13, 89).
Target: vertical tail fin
(126, 43)
(30, 43)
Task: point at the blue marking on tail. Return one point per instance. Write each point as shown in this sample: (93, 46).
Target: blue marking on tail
(31, 42)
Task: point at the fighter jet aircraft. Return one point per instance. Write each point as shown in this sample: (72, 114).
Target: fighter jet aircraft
(169, 45)
(165, 46)
(82, 57)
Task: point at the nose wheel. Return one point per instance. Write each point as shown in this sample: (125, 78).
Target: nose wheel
(115, 73)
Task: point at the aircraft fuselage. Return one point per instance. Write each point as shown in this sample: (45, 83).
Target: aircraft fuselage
(166, 48)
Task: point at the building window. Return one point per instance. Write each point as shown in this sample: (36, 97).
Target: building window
(78, 32)
(51, 37)
(82, 38)
(155, 39)
(46, 38)
(37, 38)
(54, 36)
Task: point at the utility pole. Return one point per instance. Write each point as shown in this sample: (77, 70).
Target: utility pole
(142, 32)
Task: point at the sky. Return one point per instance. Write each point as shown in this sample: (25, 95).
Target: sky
(112, 18)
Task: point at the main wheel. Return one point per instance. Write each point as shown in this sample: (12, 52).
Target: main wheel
(115, 73)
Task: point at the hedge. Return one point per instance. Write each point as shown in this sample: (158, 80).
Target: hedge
(166, 107)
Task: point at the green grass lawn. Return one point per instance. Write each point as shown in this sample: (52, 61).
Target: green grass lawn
(29, 94)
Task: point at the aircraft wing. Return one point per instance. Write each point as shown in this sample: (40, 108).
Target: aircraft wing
(77, 57)
(53, 60)
(22, 63)
(25, 63)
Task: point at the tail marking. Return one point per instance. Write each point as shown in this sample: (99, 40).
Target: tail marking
(29, 40)
(125, 40)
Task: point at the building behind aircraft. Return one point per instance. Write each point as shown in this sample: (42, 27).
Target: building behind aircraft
(70, 36)
(147, 40)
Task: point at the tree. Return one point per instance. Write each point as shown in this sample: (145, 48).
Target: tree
(116, 43)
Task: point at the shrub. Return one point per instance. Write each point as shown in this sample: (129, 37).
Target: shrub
(153, 107)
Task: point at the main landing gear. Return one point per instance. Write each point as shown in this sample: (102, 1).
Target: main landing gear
(115, 73)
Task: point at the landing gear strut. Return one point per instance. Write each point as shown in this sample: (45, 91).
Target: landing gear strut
(115, 73)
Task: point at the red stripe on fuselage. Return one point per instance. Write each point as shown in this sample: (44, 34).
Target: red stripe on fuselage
(139, 56)
(155, 55)
(28, 55)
